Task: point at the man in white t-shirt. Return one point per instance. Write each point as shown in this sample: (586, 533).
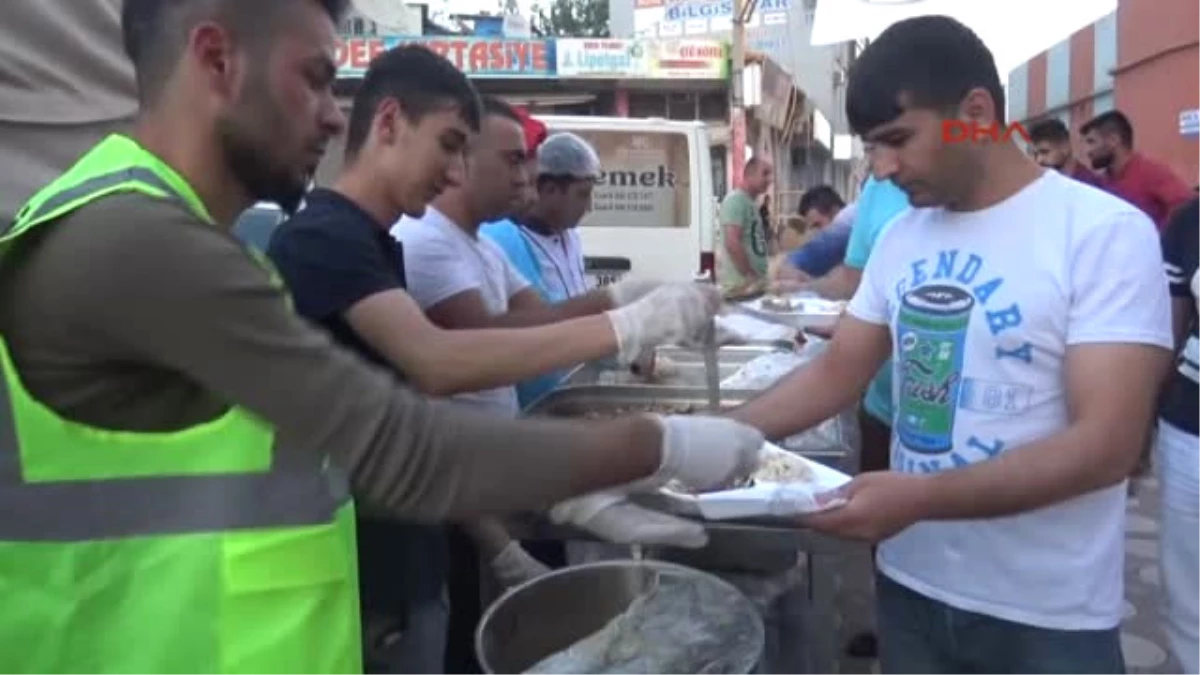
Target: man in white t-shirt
(443, 261)
(1028, 320)
(464, 281)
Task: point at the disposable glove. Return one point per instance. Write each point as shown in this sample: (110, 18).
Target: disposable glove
(514, 566)
(671, 314)
(627, 291)
(611, 517)
(704, 453)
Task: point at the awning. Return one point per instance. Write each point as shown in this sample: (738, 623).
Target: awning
(1015, 30)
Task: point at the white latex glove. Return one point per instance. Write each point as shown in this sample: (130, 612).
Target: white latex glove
(671, 314)
(610, 517)
(628, 291)
(644, 365)
(514, 566)
(704, 453)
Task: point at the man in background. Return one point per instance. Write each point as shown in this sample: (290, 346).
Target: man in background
(1052, 149)
(820, 205)
(1147, 184)
(743, 239)
(821, 208)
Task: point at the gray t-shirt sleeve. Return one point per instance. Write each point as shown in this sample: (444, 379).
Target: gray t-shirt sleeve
(141, 284)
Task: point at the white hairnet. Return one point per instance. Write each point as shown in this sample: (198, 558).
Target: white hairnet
(566, 154)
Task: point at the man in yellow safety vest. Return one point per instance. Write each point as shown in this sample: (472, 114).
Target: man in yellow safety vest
(177, 448)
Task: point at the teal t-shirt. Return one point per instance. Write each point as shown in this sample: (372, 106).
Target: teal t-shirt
(878, 206)
(508, 237)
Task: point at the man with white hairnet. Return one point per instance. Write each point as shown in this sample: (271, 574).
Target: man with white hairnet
(542, 242)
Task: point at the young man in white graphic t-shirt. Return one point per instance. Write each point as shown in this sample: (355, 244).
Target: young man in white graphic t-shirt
(1028, 320)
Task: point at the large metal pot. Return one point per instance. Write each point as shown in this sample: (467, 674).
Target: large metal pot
(550, 613)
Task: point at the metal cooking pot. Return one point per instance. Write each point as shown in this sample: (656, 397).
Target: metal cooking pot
(548, 614)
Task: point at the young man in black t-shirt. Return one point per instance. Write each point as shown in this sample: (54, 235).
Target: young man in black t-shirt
(1178, 443)
(410, 123)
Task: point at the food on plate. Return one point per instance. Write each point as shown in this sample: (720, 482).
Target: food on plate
(779, 303)
(639, 408)
(775, 466)
(656, 368)
(782, 467)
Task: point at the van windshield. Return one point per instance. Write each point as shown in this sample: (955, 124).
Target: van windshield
(645, 179)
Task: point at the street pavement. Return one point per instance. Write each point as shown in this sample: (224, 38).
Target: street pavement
(1142, 637)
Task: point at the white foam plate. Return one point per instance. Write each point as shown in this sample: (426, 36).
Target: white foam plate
(810, 311)
(749, 329)
(764, 499)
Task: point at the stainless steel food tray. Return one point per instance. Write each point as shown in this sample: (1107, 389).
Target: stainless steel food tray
(689, 362)
(836, 448)
(579, 400)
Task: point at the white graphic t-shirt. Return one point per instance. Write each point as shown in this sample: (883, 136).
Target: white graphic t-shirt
(983, 307)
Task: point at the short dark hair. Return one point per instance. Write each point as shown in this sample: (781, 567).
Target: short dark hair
(500, 108)
(823, 198)
(1050, 130)
(1111, 122)
(419, 80)
(927, 62)
(154, 32)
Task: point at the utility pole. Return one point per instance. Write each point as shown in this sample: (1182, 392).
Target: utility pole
(742, 11)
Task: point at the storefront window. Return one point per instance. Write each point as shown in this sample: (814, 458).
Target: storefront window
(645, 180)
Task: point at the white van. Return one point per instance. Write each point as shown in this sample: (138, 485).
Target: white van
(654, 207)
(256, 224)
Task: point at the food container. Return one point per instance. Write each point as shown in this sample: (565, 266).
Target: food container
(741, 328)
(553, 612)
(604, 402)
(802, 310)
(832, 442)
(769, 498)
(682, 367)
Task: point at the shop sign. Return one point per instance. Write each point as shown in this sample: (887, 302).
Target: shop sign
(689, 59)
(705, 17)
(719, 9)
(601, 58)
(475, 56)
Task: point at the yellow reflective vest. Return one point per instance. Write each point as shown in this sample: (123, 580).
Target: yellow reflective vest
(204, 550)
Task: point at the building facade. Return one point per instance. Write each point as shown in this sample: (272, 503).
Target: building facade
(823, 150)
(1141, 60)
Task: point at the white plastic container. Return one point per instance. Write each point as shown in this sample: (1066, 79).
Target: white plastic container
(807, 311)
(764, 498)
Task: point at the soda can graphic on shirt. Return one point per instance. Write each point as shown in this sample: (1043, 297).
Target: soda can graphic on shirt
(931, 333)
